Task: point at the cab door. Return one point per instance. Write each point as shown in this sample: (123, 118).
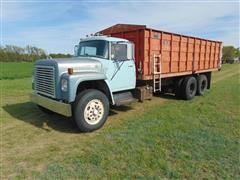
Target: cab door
(121, 72)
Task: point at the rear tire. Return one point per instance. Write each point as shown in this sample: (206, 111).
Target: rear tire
(90, 110)
(202, 84)
(189, 87)
(178, 88)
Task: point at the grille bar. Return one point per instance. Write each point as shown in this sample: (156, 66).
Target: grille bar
(44, 80)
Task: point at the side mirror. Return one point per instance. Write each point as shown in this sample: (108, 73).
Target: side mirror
(76, 50)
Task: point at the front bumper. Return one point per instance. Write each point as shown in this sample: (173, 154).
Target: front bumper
(55, 106)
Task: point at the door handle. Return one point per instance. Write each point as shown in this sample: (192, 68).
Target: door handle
(130, 66)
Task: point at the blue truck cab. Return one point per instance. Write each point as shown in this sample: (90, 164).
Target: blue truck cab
(101, 73)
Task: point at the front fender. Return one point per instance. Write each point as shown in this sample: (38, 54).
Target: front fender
(75, 79)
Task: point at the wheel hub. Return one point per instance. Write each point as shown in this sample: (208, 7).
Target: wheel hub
(93, 111)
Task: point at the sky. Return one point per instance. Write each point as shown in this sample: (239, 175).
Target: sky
(56, 26)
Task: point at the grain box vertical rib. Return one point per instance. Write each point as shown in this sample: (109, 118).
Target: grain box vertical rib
(219, 56)
(161, 49)
(193, 54)
(187, 54)
(214, 54)
(200, 53)
(179, 53)
(209, 62)
(149, 52)
(171, 53)
(205, 55)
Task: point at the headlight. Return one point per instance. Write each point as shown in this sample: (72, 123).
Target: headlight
(64, 85)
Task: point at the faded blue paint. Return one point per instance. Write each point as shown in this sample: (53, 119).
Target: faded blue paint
(123, 79)
(75, 79)
(118, 75)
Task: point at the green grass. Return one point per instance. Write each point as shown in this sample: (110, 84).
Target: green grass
(162, 138)
(15, 70)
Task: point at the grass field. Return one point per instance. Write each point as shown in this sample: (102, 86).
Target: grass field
(161, 138)
(15, 70)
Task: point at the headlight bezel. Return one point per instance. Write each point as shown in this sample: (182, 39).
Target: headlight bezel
(64, 85)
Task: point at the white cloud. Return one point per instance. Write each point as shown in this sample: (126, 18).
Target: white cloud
(191, 18)
(13, 12)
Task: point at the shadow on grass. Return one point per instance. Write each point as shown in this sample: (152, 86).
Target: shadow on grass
(169, 96)
(30, 113)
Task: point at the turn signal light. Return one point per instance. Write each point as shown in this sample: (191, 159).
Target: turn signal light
(70, 71)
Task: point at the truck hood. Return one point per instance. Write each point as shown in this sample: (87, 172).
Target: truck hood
(79, 64)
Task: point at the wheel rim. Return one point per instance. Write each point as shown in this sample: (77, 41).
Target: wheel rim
(192, 88)
(93, 111)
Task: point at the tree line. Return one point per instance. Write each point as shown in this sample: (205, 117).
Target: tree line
(230, 54)
(12, 53)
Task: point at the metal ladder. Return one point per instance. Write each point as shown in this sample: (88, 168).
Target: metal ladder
(157, 70)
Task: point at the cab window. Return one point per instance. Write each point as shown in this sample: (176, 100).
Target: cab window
(118, 51)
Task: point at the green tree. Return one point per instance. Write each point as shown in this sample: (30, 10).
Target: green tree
(229, 53)
(59, 55)
(237, 52)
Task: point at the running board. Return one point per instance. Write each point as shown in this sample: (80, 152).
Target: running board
(123, 98)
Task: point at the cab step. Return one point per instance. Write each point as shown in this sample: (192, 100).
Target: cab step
(123, 98)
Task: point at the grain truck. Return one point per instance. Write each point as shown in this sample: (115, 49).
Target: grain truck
(119, 65)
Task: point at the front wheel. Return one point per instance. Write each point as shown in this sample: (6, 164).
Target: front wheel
(91, 110)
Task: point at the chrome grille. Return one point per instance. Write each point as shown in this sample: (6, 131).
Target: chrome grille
(44, 80)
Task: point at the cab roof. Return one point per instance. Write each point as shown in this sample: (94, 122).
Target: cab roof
(106, 38)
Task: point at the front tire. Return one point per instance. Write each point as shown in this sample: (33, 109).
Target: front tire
(91, 110)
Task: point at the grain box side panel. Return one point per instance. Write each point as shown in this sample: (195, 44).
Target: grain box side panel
(141, 55)
(217, 55)
(175, 53)
(202, 54)
(153, 43)
(183, 54)
(147, 54)
(196, 54)
(166, 53)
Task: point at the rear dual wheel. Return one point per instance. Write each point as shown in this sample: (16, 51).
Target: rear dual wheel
(202, 84)
(187, 87)
(178, 88)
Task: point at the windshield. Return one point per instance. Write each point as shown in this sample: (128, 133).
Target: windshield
(95, 48)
